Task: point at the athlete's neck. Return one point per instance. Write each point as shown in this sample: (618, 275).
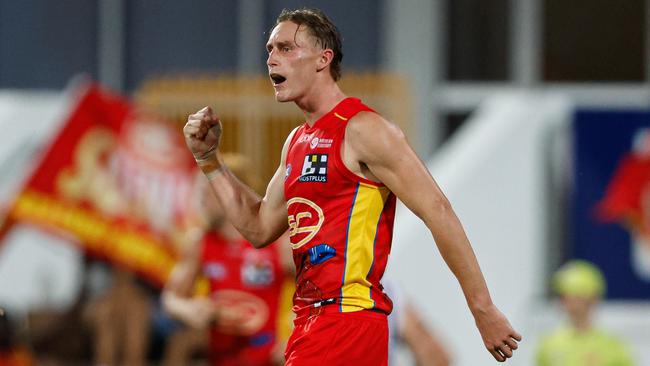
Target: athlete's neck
(320, 101)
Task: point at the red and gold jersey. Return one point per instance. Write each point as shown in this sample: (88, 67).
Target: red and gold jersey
(247, 282)
(340, 224)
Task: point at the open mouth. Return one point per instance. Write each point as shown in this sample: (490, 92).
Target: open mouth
(277, 79)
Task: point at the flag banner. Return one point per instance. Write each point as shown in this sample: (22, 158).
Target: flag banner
(115, 180)
(611, 198)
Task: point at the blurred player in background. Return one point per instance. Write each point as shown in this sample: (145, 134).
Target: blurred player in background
(337, 183)
(242, 308)
(581, 285)
(119, 317)
(408, 328)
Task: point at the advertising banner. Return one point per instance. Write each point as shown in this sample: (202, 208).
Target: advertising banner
(611, 198)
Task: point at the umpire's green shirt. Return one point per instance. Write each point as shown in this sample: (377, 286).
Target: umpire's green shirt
(568, 347)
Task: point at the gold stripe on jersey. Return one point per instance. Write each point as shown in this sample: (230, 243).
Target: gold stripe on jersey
(359, 250)
(340, 116)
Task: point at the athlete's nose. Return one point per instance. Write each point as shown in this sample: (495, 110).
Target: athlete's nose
(271, 61)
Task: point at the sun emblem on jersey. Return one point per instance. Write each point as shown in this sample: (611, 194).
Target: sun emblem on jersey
(305, 220)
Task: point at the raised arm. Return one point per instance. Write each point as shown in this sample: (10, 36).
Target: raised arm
(261, 220)
(381, 151)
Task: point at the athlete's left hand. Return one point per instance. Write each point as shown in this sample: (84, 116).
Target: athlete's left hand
(499, 337)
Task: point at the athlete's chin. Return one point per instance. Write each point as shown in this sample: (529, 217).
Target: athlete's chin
(282, 97)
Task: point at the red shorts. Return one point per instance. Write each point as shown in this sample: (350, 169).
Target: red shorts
(228, 350)
(332, 338)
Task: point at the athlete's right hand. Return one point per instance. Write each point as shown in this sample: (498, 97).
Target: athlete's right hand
(202, 133)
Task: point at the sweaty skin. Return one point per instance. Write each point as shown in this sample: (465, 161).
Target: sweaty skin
(373, 148)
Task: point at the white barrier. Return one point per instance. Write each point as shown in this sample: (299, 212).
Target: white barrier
(496, 174)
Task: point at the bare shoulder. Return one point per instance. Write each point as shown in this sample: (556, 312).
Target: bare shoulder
(290, 136)
(370, 135)
(368, 120)
(287, 142)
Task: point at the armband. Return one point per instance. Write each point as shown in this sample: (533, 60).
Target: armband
(211, 166)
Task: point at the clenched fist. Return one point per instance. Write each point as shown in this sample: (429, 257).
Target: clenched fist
(202, 134)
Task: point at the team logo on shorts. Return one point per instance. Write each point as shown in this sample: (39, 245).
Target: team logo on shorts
(314, 168)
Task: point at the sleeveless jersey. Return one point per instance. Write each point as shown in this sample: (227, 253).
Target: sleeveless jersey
(340, 224)
(249, 281)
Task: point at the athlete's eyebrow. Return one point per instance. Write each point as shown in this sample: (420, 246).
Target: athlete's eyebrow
(280, 44)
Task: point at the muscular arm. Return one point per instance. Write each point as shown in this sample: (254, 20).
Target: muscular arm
(261, 220)
(382, 147)
(381, 151)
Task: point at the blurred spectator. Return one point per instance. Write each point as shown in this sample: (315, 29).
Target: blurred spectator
(245, 284)
(581, 286)
(406, 327)
(12, 351)
(120, 320)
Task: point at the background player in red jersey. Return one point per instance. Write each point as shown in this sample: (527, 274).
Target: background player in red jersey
(304, 64)
(242, 307)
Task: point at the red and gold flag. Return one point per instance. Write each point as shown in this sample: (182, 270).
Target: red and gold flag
(117, 181)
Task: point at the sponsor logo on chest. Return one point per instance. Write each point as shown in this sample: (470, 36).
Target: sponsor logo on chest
(320, 143)
(304, 138)
(314, 168)
(315, 142)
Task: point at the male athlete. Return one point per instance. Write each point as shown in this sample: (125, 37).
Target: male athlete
(339, 176)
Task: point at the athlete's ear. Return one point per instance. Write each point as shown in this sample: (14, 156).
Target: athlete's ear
(325, 59)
